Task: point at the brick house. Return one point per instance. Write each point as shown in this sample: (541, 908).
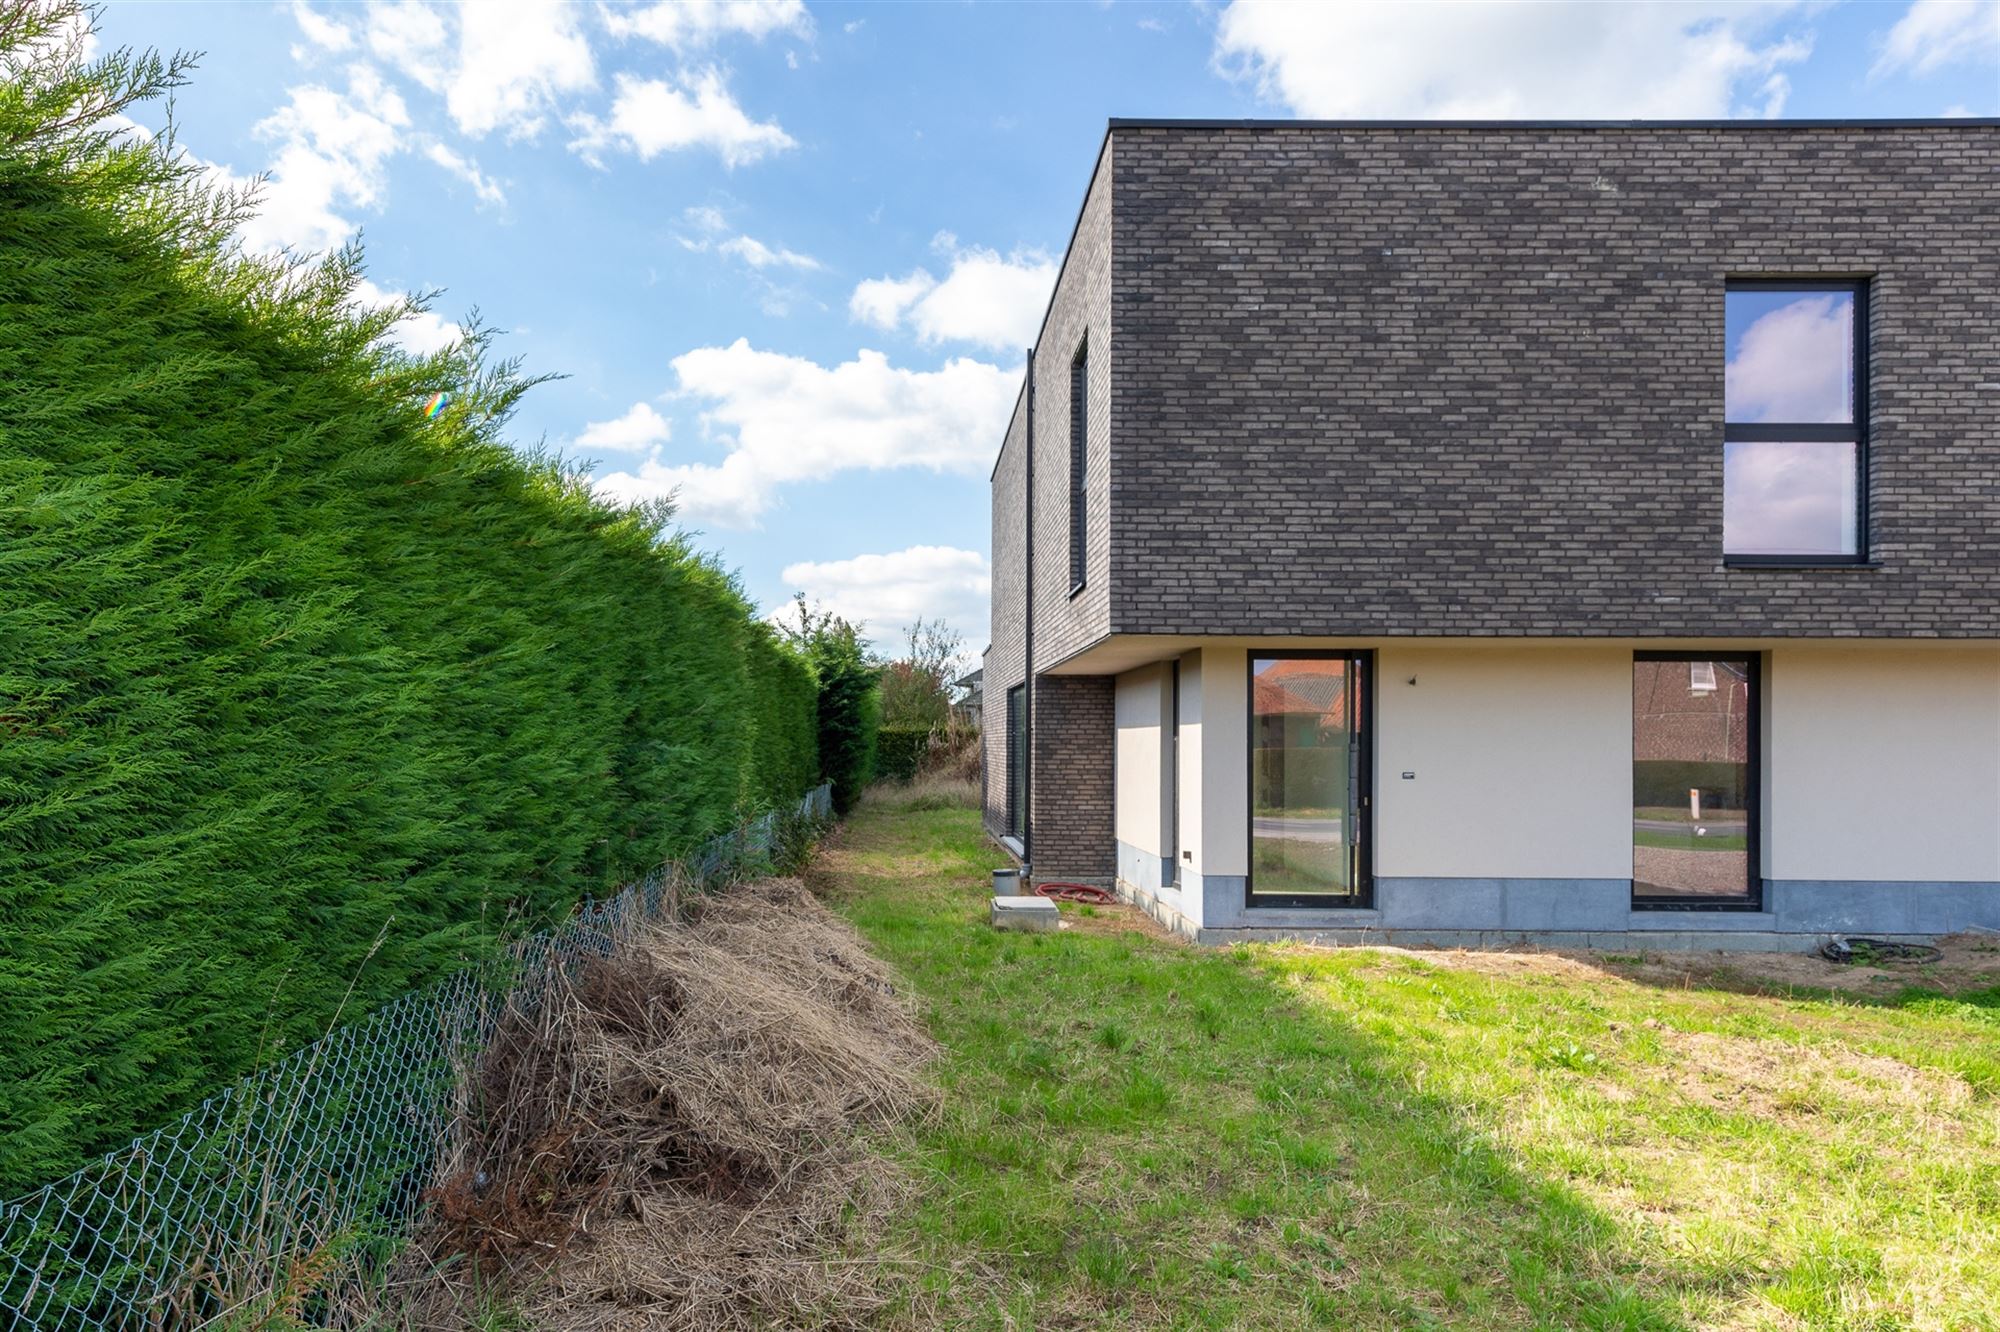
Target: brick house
(1461, 533)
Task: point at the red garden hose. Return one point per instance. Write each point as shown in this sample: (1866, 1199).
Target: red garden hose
(1076, 892)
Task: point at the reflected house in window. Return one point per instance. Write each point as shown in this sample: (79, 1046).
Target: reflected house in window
(1489, 533)
(1693, 780)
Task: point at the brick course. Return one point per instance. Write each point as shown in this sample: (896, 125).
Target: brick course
(1074, 792)
(1006, 657)
(1469, 381)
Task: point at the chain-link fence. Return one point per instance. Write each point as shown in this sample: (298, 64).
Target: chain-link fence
(260, 1196)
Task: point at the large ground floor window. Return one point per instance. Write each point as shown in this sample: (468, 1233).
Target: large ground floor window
(1311, 731)
(1695, 781)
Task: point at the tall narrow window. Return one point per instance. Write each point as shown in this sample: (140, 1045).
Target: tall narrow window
(1310, 769)
(1795, 394)
(1079, 435)
(1017, 759)
(1694, 780)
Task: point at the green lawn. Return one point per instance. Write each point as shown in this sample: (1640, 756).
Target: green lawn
(1138, 1133)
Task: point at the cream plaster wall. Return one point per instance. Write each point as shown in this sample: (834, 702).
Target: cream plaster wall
(1523, 763)
(1140, 703)
(1882, 764)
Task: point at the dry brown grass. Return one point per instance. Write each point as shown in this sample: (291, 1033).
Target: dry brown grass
(933, 790)
(670, 1139)
(1969, 961)
(1782, 1080)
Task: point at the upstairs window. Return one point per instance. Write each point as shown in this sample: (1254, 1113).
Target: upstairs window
(1079, 433)
(1795, 444)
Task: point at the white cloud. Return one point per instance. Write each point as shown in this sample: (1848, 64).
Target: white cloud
(331, 155)
(499, 64)
(1788, 499)
(1473, 60)
(1934, 33)
(320, 30)
(515, 59)
(706, 217)
(888, 592)
(419, 334)
(686, 24)
(412, 37)
(784, 419)
(1792, 364)
(988, 299)
(484, 186)
(639, 428)
(652, 116)
(759, 255)
(882, 302)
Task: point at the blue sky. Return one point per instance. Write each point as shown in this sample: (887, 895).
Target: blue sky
(788, 256)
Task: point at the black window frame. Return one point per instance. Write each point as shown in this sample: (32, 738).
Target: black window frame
(1363, 896)
(1854, 432)
(1079, 450)
(1017, 759)
(1753, 750)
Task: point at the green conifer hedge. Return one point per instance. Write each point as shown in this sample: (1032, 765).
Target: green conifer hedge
(304, 698)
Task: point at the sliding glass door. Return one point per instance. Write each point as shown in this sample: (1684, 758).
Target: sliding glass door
(1694, 781)
(1310, 763)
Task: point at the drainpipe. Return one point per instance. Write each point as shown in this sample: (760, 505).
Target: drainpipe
(1028, 653)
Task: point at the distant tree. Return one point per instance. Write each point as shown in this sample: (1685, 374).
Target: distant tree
(916, 687)
(849, 694)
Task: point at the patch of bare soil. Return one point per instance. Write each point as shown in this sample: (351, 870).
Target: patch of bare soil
(1117, 918)
(1786, 1080)
(670, 1138)
(1971, 961)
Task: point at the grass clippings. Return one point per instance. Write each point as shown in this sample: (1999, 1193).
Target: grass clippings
(674, 1137)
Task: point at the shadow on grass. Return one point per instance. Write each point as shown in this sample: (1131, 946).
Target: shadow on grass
(1144, 1133)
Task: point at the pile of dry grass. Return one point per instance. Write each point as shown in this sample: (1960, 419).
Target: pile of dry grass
(670, 1139)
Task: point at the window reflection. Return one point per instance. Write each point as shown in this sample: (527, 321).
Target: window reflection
(1790, 357)
(1304, 778)
(1693, 722)
(1792, 442)
(1789, 497)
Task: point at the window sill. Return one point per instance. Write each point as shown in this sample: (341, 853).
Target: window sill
(1077, 591)
(1787, 562)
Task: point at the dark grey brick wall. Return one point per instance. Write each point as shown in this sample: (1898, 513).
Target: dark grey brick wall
(1463, 381)
(1066, 624)
(1073, 785)
(1076, 836)
(1005, 660)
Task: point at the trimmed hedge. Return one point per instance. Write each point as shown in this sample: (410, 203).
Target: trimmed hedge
(305, 698)
(900, 750)
(850, 715)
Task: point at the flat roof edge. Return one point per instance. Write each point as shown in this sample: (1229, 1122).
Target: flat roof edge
(1781, 123)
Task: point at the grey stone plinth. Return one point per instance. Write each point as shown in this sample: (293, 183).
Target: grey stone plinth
(1025, 913)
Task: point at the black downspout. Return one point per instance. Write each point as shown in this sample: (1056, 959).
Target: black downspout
(1028, 653)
